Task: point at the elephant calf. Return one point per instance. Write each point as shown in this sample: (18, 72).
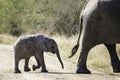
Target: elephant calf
(28, 46)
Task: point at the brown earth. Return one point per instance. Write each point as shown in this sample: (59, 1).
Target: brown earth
(53, 66)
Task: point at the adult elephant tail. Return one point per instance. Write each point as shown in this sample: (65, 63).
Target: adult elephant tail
(75, 48)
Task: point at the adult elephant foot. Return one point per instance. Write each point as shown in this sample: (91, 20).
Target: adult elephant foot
(115, 62)
(17, 71)
(116, 68)
(83, 71)
(44, 70)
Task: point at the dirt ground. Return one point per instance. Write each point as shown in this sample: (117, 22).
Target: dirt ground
(53, 66)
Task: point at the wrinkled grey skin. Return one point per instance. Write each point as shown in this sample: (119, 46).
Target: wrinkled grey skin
(28, 46)
(99, 24)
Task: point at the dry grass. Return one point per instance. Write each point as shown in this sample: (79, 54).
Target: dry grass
(99, 58)
(65, 45)
(7, 39)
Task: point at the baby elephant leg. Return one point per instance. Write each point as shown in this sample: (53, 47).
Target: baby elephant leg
(16, 70)
(40, 57)
(38, 64)
(26, 68)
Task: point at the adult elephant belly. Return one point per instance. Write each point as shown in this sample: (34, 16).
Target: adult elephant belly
(109, 31)
(110, 21)
(102, 26)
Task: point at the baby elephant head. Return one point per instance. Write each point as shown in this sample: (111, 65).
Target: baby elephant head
(51, 46)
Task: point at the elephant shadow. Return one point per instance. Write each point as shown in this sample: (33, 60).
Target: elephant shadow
(61, 73)
(100, 74)
(56, 72)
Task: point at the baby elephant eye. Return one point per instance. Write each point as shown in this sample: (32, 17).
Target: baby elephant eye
(52, 47)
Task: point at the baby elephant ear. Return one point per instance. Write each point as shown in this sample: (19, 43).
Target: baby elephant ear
(45, 44)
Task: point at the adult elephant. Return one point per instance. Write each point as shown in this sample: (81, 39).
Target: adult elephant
(99, 23)
(35, 45)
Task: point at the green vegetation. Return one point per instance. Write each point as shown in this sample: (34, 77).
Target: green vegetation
(37, 16)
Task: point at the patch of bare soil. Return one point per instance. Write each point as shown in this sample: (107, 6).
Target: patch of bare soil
(53, 66)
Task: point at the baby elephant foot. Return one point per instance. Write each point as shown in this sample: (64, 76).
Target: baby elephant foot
(44, 70)
(17, 71)
(35, 67)
(27, 69)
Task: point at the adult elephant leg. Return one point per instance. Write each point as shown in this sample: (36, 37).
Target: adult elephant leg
(38, 64)
(87, 41)
(40, 58)
(26, 68)
(81, 66)
(114, 58)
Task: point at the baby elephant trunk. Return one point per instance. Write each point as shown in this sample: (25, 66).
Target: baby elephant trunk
(59, 58)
